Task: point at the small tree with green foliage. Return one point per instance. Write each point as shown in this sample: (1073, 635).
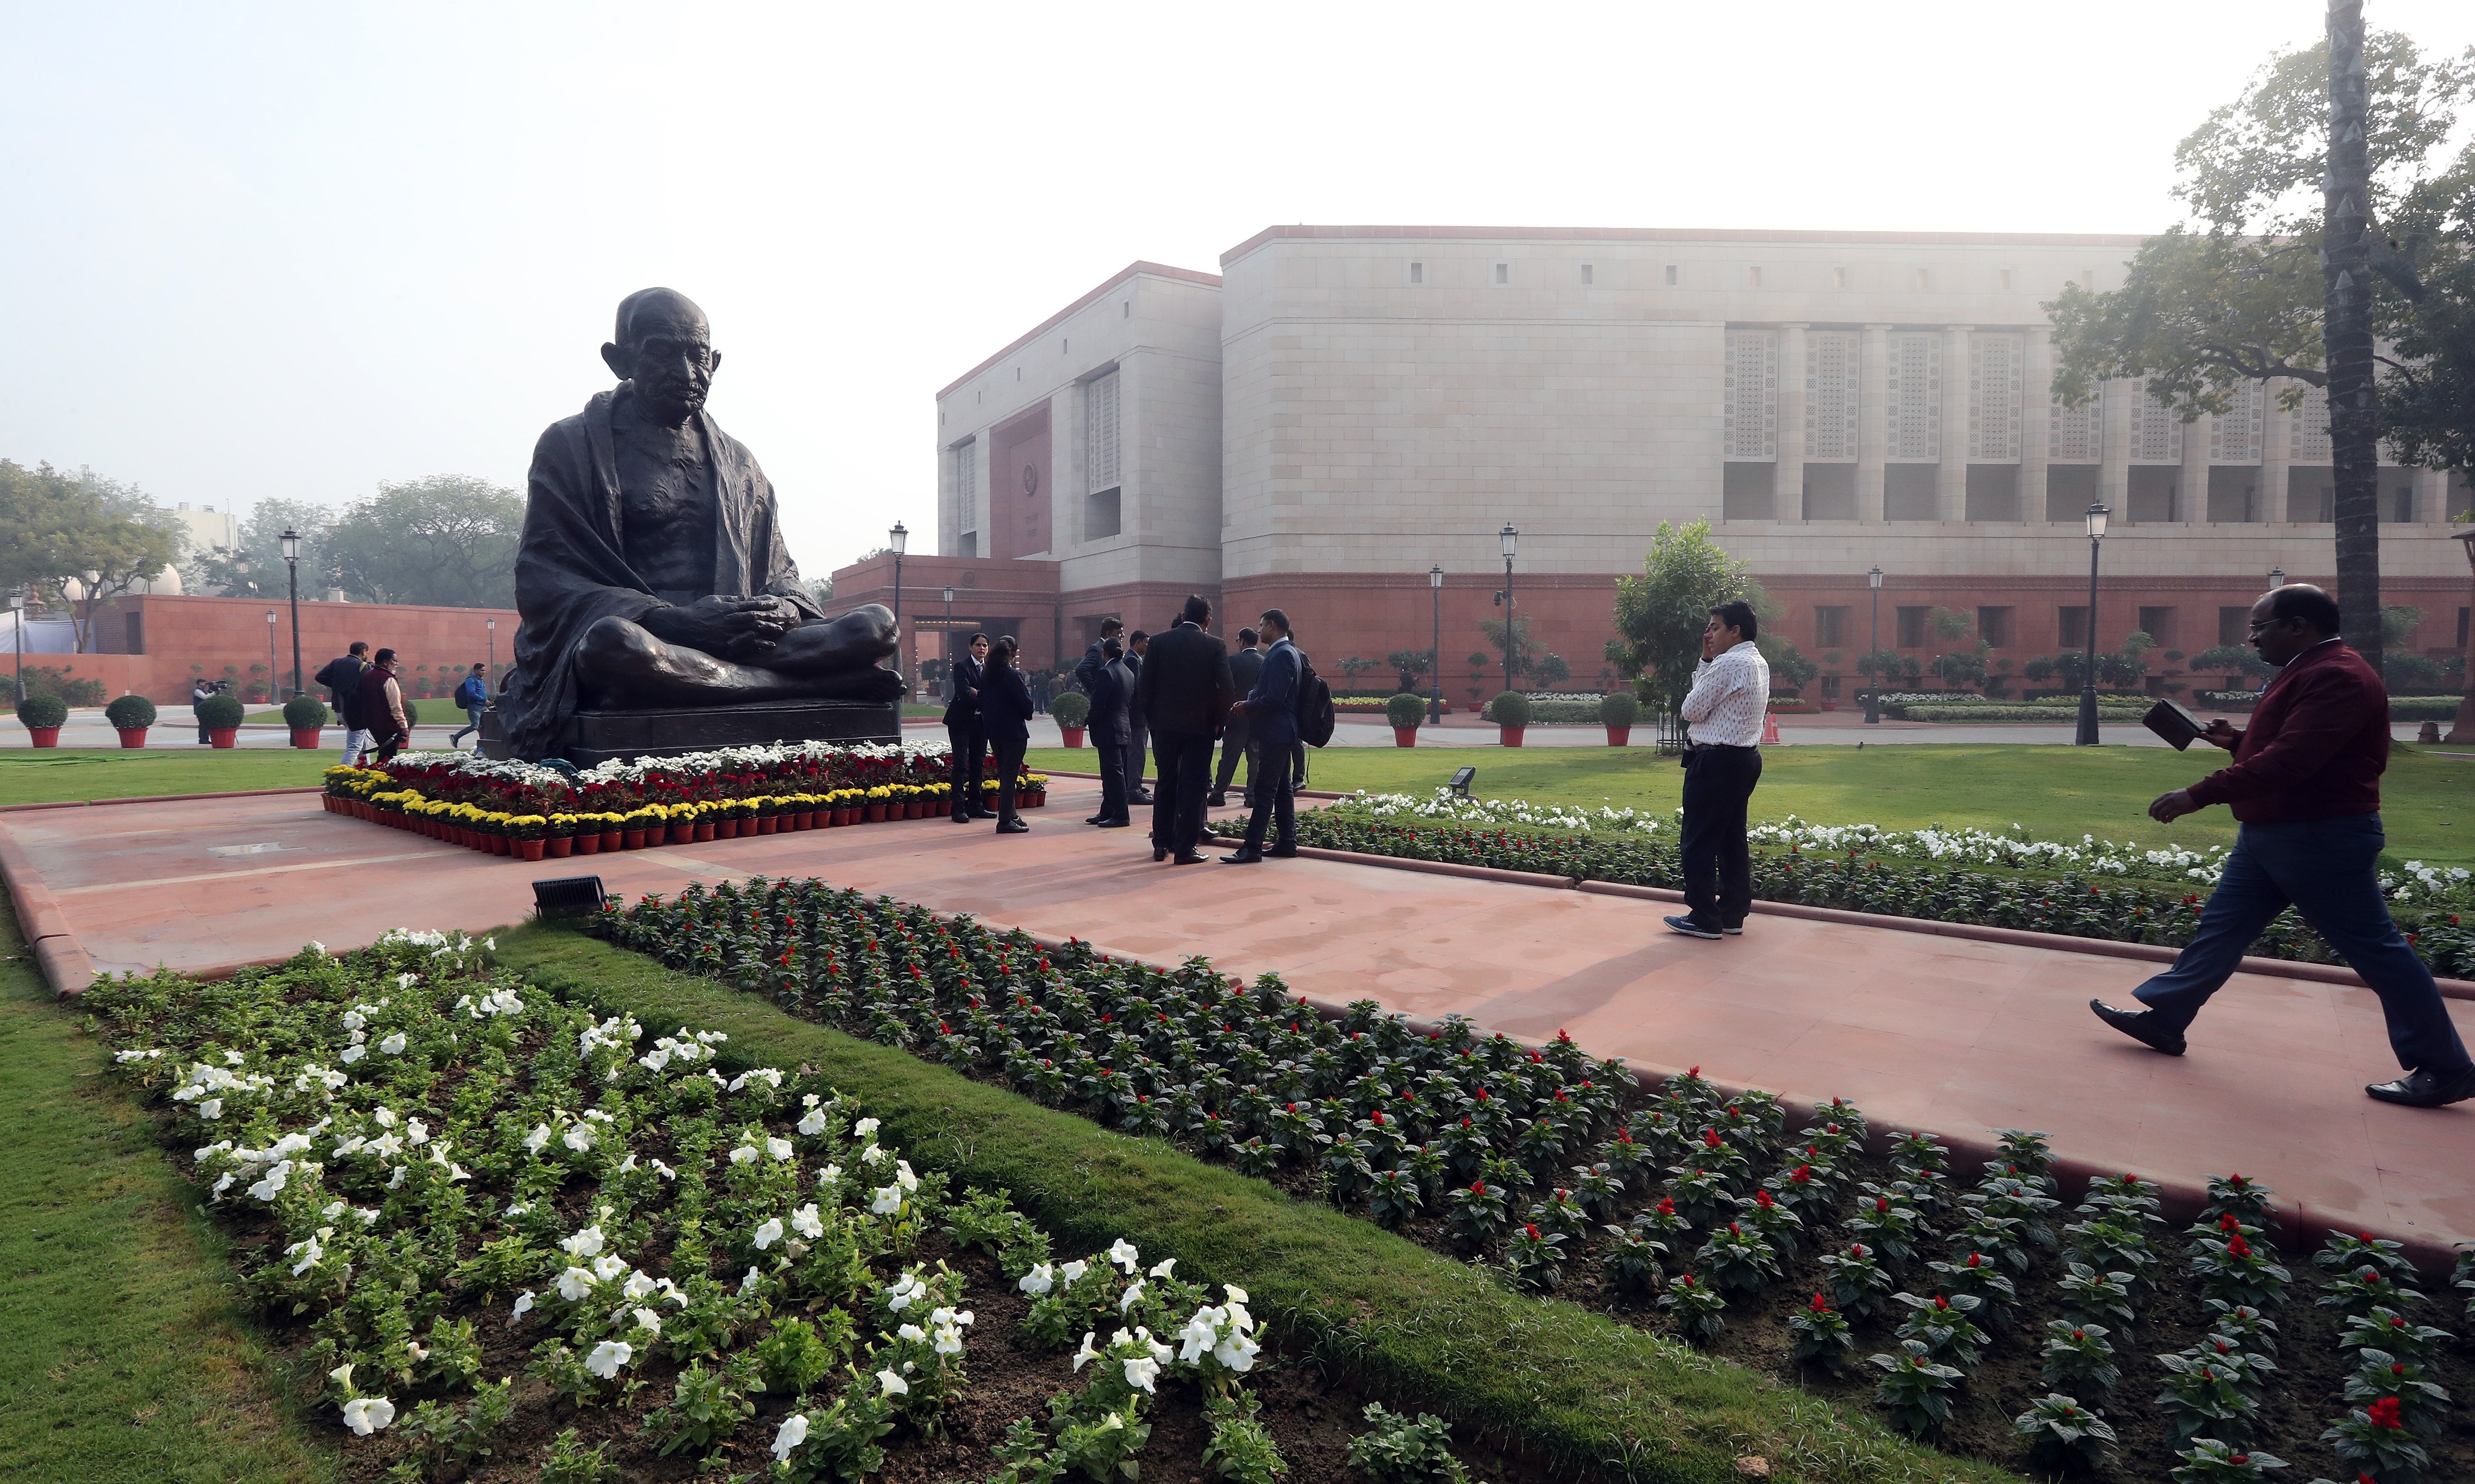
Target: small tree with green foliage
(1660, 613)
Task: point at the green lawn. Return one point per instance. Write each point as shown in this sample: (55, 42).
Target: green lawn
(125, 1358)
(2058, 793)
(46, 775)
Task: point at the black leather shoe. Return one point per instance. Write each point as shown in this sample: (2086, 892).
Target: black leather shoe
(1215, 801)
(1243, 858)
(1160, 853)
(2140, 1026)
(1283, 852)
(984, 814)
(962, 818)
(1139, 798)
(1012, 827)
(1112, 824)
(1186, 858)
(2424, 1089)
(1095, 818)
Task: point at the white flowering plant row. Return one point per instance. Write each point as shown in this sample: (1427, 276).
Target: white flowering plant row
(1445, 806)
(441, 1179)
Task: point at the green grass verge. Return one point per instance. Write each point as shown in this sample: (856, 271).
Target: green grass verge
(1603, 1399)
(2058, 793)
(125, 1358)
(49, 775)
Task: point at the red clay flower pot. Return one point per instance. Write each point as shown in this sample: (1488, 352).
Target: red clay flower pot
(135, 737)
(1619, 736)
(305, 738)
(589, 844)
(559, 847)
(849, 816)
(1073, 734)
(768, 824)
(706, 830)
(631, 840)
(50, 735)
(680, 834)
(1405, 737)
(874, 813)
(532, 848)
(804, 821)
(1513, 735)
(217, 736)
(725, 829)
(614, 840)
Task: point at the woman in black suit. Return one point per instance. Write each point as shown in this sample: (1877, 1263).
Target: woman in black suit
(1005, 720)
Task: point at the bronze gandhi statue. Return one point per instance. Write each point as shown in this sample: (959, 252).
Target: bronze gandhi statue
(651, 572)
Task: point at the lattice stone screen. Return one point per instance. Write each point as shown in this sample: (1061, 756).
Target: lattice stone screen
(2075, 435)
(1100, 408)
(1915, 393)
(1997, 376)
(2309, 425)
(1830, 378)
(2235, 434)
(2156, 432)
(966, 484)
(1752, 394)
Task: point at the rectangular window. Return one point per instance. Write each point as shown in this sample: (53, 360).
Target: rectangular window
(1101, 427)
(1589, 273)
(1830, 688)
(2074, 435)
(1100, 514)
(1912, 627)
(971, 543)
(2006, 280)
(1670, 275)
(1126, 310)
(2234, 625)
(966, 482)
(1994, 626)
(2463, 615)
(2073, 624)
(2308, 427)
(2158, 623)
(1838, 277)
(1924, 279)
(1830, 627)
(1417, 273)
(2401, 504)
(1757, 279)
(1503, 273)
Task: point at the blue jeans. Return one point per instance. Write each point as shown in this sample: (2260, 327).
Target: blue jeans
(471, 714)
(2326, 870)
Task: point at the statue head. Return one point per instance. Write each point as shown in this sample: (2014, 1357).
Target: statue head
(665, 349)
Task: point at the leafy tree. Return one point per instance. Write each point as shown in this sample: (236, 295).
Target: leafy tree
(823, 590)
(80, 539)
(1351, 667)
(1550, 669)
(254, 569)
(1410, 664)
(1660, 613)
(2243, 291)
(1962, 668)
(1492, 630)
(2229, 660)
(1951, 622)
(1891, 666)
(447, 540)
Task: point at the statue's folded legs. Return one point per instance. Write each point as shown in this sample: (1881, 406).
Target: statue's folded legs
(620, 665)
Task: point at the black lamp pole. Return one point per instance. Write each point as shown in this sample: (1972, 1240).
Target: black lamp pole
(1872, 673)
(2087, 735)
(1435, 654)
(274, 676)
(291, 540)
(898, 538)
(950, 643)
(1511, 634)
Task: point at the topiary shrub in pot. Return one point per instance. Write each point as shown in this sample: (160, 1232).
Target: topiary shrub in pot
(305, 714)
(1071, 708)
(1405, 711)
(132, 715)
(220, 714)
(1510, 711)
(1618, 712)
(43, 717)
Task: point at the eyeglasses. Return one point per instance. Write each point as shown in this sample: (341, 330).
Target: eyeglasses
(2257, 625)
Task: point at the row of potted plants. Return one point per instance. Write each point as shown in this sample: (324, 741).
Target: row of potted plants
(360, 793)
(622, 783)
(220, 715)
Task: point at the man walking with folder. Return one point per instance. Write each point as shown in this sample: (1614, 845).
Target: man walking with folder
(2306, 784)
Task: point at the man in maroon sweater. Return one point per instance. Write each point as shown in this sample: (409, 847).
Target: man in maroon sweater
(2306, 784)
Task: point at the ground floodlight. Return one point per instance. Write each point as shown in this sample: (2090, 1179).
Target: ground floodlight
(1460, 785)
(568, 896)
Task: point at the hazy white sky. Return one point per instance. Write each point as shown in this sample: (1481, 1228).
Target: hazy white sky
(295, 250)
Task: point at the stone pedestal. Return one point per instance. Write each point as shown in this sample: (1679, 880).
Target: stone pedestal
(593, 737)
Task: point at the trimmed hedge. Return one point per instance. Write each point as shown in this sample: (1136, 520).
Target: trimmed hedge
(1594, 1395)
(306, 711)
(2048, 714)
(130, 711)
(42, 711)
(220, 710)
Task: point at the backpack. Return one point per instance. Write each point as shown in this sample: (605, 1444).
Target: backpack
(1314, 707)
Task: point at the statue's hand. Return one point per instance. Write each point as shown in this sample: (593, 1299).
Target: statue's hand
(712, 624)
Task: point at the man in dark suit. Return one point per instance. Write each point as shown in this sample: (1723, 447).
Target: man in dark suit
(2306, 784)
(1235, 737)
(1112, 697)
(1138, 645)
(1092, 659)
(963, 734)
(1271, 717)
(1184, 692)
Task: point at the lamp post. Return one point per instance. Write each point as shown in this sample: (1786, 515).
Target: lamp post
(950, 642)
(898, 538)
(2463, 729)
(2087, 735)
(274, 676)
(1511, 635)
(1873, 674)
(1435, 654)
(291, 542)
(492, 624)
(2276, 577)
(18, 627)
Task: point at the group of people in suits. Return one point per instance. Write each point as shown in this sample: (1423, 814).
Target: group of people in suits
(1173, 695)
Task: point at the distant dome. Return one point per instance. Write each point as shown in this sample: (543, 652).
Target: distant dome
(166, 584)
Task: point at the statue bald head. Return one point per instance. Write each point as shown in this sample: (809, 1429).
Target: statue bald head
(664, 352)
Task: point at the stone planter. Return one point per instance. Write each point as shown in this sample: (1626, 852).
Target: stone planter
(50, 735)
(216, 736)
(135, 737)
(305, 738)
(1513, 735)
(1619, 736)
(1405, 737)
(1073, 734)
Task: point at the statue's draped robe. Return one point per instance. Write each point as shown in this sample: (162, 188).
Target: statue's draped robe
(572, 568)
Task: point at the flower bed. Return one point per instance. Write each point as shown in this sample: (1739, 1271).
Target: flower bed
(2069, 903)
(1673, 1208)
(537, 812)
(503, 1238)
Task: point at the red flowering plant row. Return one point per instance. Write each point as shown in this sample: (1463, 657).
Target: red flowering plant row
(2071, 903)
(1979, 1314)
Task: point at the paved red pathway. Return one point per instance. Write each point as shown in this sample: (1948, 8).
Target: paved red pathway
(1948, 1035)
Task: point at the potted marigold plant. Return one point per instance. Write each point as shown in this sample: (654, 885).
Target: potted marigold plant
(684, 819)
(638, 825)
(879, 799)
(530, 835)
(1618, 712)
(43, 716)
(1510, 713)
(1071, 710)
(220, 714)
(1405, 711)
(306, 715)
(1035, 790)
(560, 838)
(133, 714)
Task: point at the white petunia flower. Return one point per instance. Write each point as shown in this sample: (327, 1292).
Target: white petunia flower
(768, 1233)
(1086, 1353)
(1132, 1296)
(649, 1319)
(744, 1153)
(524, 1305)
(608, 1265)
(873, 1155)
(609, 1356)
(910, 1332)
(1164, 1267)
(903, 1176)
(212, 1109)
(779, 1149)
(805, 1221)
(575, 1284)
(586, 1243)
(638, 1285)
(538, 1140)
(895, 1385)
(1122, 1253)
(864, 1128)
(665, 1171)
(749, 1281)
(1236, 1352)
(1073, 1272)
(888, 1201)
(366, 1415)
(815, 1123)
(949, 1340)
(393, 1045)
(310, 1252)
(905, 1293)
(795, 1431)
(1042, 1277)
(578, 1136)
(352, 1054)
(829, 1176)
(1140, 1372)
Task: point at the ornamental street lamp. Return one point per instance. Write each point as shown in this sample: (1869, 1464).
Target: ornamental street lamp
(274, 676)
(1872, 673)
(2087, 737)
(18, 627)
(492, 624)
(949, 642)
(291, 542)
(1511, 636)
(1435, 654)
(2276, 577)
(897, 538)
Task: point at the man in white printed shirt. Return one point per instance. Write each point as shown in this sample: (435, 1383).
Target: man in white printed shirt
(1724, 712)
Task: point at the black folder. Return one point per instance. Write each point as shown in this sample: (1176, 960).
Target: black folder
(2179, 727)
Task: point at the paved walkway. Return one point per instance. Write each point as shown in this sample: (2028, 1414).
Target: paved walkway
(1948, 1034)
